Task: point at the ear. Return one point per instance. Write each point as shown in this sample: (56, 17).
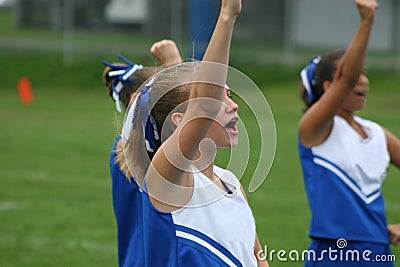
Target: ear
(133, 96)
(326, 84)
(176, 118)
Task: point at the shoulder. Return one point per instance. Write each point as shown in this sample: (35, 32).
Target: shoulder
(375, 128)
(367, 122)
(225, 175)
(219, 170)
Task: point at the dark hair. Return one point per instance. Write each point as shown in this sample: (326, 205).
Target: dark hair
(324, 71)
(137, 79)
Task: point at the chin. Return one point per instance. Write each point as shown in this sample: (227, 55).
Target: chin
(229, 144)
(359, 108)
(233, 143)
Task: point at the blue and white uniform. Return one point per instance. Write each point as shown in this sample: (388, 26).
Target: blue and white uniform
(214, 229)
(127, 203)
(343, 178)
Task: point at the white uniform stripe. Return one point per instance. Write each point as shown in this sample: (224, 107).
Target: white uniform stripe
(347, 181)
(206, 245)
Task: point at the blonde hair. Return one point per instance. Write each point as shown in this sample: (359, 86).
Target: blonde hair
(171, 88)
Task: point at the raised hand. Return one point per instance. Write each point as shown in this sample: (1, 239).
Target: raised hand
(166, 52)
(231, 7)
(366, 9)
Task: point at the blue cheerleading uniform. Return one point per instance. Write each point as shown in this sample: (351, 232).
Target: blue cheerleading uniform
(343, 178)
(214, 229)
(127, 204)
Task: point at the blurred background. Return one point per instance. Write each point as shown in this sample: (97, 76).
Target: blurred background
(58, 124)
(291, 25)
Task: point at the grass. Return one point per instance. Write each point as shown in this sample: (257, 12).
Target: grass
(55, 197)
(55, 200)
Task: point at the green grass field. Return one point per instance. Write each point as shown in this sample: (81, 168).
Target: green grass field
(55, 195)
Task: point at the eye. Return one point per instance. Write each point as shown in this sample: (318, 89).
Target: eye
(228, 94)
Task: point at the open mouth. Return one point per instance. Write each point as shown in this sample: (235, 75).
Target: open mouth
(232, 124)
(361, 93)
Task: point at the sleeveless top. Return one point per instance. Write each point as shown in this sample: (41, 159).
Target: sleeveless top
(214, 229)
(343, 178)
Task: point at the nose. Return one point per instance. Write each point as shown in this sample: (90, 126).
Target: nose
(231, 106)
(363, 82)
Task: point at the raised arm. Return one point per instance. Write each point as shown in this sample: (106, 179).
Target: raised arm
(207, 97)
(316, 124)
(175, 155)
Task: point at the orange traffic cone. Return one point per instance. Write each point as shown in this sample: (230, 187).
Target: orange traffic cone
(25, 91)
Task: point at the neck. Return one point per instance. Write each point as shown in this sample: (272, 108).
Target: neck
(207, 171)
(347, 115)
(206, 166)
